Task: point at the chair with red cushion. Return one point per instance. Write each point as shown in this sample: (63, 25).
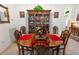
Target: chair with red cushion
(18, 36)
(64, 36)
(27, 37)
(40, 46)
(54, 37)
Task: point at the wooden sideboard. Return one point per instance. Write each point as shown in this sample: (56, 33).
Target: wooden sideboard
(74, 28)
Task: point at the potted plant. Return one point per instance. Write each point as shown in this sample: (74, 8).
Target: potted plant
(38, 8)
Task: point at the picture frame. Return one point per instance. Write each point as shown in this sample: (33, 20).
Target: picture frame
(4, 14)
(22, 14)
(56, 14)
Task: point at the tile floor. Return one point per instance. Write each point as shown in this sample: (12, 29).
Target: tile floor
(72, 49)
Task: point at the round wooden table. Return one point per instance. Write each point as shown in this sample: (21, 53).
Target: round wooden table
(28, 42)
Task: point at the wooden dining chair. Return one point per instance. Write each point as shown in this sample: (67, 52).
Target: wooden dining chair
(21, 49)
(23, 29)
(54, 48)
(42, 30)
(17, 35)
(40, 49)
(64, 36)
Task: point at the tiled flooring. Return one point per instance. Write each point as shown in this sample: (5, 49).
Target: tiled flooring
(72, 49)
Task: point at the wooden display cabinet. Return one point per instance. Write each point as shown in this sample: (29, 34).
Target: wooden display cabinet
(38, 19)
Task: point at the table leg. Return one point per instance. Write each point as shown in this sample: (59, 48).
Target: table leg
(32, 52)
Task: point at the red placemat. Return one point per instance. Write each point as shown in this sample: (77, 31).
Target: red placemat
(54, 37)
(26, 37)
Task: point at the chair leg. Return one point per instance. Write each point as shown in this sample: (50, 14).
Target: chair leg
(32, 52)
(57, 50)
(19, 51)
(52, 52)
(64, 51)
(47, 51)
(22, 50)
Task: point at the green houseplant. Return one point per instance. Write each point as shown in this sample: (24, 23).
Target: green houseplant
(38, 8)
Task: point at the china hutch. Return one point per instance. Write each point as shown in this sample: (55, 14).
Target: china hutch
(38, 19)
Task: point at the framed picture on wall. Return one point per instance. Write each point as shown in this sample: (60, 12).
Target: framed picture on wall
(77, 17)
(56, 14)
(22, 14)
(67, 11)
(4, 14)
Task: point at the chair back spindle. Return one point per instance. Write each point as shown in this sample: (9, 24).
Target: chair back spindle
(17, 34)
(23, 29)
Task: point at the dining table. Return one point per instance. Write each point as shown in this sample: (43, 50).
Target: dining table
(27, 40)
